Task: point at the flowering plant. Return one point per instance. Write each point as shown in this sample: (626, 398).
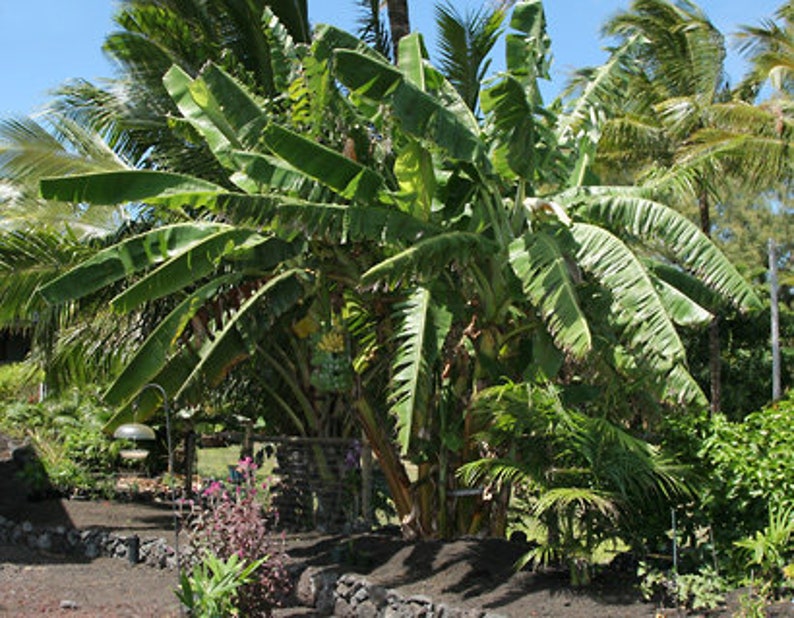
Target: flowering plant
(235, 521)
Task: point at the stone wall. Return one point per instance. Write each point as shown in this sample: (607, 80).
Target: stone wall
(89, 543)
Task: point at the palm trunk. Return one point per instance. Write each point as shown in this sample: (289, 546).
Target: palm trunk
(715, 366)
(399, 23)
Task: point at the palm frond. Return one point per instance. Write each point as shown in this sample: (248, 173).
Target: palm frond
(464, 42)
(372, 28)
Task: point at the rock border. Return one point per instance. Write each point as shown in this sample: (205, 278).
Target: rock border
(87, 543)
(351, 595)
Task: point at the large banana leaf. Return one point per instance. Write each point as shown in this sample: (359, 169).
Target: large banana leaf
(649, 220)
(688, 285)
(342, 222)
(242, 333)
(114, 188)
(148, 400)
(328, 167)
(422, 333)
(429, 256)
(419, 113)
(329, 39)
(190, 369)
(540, 265)
(412, 55)
(682, 310)
(513, 126)
(151, 357)
(636, 306)
(527, 47)
(198, 261)
(257, 173)
(218, 107)
(415, 174)
(126, 258)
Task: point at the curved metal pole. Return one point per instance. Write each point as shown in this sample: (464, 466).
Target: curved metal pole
(169, 444)
(164, 395)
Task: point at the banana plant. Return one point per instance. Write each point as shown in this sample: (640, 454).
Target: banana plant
(457, 240)
(523, 274)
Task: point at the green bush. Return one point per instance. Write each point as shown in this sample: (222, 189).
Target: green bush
(750, 469)
(19, 382)
(73, 454)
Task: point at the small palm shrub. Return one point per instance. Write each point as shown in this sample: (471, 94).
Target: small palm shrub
(235, 520)
(769, 554)
(584, 481)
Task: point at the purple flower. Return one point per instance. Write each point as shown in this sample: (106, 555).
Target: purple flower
(353, 456)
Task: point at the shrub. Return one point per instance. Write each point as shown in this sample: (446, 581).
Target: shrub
(235, 521)
(19, 382)
(699, 591)
(770, 552)
(211, 589)
(751, 469)
(71, 451)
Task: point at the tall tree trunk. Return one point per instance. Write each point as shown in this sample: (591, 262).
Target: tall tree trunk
(775, 321)
(399, 23)
(715, 365)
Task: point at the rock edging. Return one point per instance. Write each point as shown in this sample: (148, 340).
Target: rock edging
(87, 543)
(352, 596)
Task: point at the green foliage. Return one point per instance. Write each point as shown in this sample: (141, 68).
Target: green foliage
(584, 480)
(751, 469)
(72, 452)
(19, 382)
(703, 590)
(746, 356)
(389, 173)
(771, 550)
(210, 590)
(234, 521)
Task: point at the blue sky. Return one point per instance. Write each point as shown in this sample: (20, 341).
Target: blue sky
(44, 43)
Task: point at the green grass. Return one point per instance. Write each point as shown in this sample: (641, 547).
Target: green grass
(214, 462)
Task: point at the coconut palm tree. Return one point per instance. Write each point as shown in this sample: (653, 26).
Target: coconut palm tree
(670, 122)
(770, 48)
(249, 40)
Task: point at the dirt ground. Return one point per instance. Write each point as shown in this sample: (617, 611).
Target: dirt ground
(468, 573)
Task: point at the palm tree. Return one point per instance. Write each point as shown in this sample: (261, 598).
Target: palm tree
(586, 479)
(671, 123)
(464, 44)
(770, 48)
(452, 254)
(399, 22)
(251, 40)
